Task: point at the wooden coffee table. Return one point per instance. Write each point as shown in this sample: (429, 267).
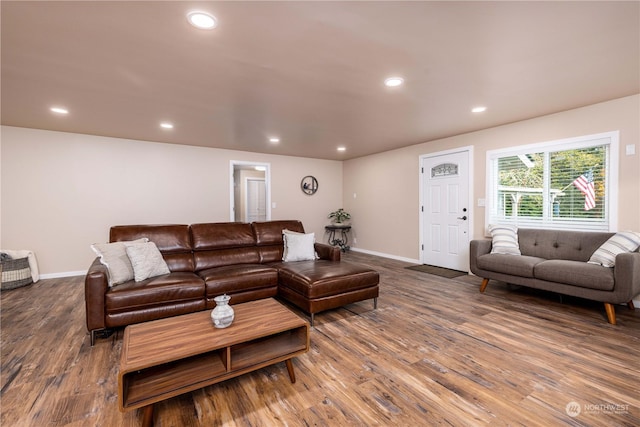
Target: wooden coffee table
(168, 357)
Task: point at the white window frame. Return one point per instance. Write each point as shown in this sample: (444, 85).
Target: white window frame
(610, 222)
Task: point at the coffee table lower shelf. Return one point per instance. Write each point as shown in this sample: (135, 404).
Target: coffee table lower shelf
(197, 355)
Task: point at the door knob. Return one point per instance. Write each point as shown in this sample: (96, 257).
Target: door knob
(464, 218)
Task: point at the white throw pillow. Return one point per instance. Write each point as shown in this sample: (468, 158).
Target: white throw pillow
(619, 243)
(147, 261)
(504, 239)
(114, 257)
(298, 246)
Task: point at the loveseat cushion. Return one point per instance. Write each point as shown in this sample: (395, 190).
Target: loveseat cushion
(166, 289)
(576, 273)
(560, 244)
(232, 279)
(320, 278)
(516, 265)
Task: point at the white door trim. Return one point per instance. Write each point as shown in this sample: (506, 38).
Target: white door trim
(469, 150)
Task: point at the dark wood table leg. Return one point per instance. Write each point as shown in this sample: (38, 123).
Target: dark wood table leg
(292, 374)
(147, 416)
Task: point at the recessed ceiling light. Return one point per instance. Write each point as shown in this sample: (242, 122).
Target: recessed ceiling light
(202, 20)
(166, 125)
(479, 109)
(393, 81)
(342, 148)
(274, 139)
(59, 110)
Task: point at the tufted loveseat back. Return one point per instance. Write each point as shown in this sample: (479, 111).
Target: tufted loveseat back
(560, 244)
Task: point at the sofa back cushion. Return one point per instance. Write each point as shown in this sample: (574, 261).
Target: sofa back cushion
(560, 244)
(223, 243)
(268, 237)
(173, 241)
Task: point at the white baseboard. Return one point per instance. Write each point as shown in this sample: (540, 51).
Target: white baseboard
(63, 274)
(398, 258)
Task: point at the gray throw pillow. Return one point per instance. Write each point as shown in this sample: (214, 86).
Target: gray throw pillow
(114, 257)
(147, 261)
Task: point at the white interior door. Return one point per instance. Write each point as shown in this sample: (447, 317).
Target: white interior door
(256, 200)
(446, 209)
(239, 172)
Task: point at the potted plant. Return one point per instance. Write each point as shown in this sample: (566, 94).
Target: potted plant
(339, 217)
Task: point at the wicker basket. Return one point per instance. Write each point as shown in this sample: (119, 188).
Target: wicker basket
(15, 273)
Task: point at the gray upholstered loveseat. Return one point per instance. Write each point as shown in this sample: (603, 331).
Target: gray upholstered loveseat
(556, 260)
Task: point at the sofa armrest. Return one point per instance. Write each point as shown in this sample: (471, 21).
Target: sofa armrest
(328, 252)
(627, 275)
(96, 284)
(476, 249)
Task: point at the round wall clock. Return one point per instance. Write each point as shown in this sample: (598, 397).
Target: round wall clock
(309, 185)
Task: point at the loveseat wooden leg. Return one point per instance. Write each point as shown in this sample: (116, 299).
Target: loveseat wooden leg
(630, 305)
(484, 284)
(611, 312)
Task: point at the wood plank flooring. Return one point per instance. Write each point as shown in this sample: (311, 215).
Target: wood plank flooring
(435, 352)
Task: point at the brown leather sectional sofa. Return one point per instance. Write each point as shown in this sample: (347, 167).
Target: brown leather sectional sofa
(207, 260)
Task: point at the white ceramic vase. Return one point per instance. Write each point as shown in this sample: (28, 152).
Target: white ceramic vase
(222, 315)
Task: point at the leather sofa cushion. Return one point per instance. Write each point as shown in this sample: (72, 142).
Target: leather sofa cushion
(166, 289)
(180, 262)
(173, 241)
(269, 238)
(576, 273)
(516, 265)
(221, 235)
(237, 278)
(168, 238)
(269, 254)
(270, 233)
(320, 278)
(223, 243)
(211, 259)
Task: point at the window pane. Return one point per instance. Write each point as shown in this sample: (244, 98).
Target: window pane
(578, 183)
(520, 186)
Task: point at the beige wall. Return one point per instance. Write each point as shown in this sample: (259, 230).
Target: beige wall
(386, 210)
(62, 191)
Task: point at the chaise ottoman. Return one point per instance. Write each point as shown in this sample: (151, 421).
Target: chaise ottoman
(319, 285)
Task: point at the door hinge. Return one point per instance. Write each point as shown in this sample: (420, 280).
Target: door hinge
(421, 208)
(421, 170)
(422, 247)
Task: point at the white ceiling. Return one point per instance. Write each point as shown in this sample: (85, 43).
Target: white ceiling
(310, 72)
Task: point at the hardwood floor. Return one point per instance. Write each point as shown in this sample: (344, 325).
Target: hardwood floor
(436, 351)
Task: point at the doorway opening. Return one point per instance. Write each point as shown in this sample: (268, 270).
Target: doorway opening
(250, 191)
